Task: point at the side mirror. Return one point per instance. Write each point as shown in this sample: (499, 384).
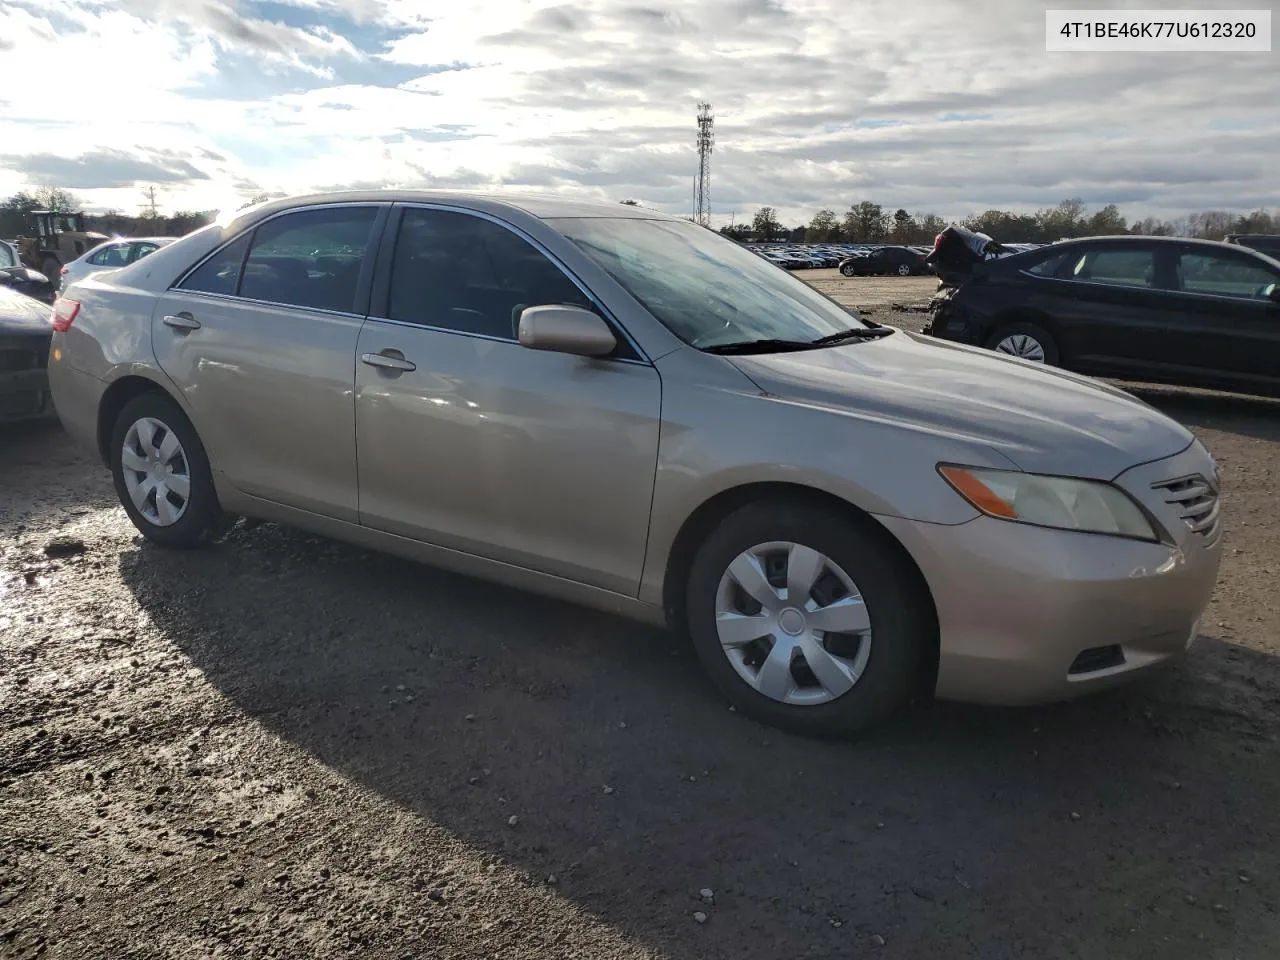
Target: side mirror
(565, 329)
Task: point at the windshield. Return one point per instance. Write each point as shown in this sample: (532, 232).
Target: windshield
(706, 289)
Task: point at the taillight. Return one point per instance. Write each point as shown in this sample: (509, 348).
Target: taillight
(64, 313)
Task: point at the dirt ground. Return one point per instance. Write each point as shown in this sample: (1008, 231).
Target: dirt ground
(284, 747)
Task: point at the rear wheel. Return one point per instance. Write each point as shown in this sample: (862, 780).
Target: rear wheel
(1025, 340)
(806, 620)
(904, 270)
(162, 474)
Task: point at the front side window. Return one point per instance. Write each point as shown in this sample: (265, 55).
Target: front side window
(1118, 267)
(704, 288)
(311, 258)
(7, 259)
(140, 250)
(1225, 276)
(467, 274)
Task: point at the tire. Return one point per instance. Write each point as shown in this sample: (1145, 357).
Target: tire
(200, 518)
(904, 270)
(884, 664)
(847, 270)
(1025, 337)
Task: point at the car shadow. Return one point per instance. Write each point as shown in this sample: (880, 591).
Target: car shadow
(952, 831)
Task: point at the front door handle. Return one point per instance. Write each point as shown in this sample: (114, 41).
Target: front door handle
(183, 321)
(387, 362)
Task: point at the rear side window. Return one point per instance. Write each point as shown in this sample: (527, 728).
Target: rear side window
(140, 250)
(470, 275)
(221, 272)
(7, 258)
(114, 255)
(1122, 268)
(311, 258)
(1049, 266)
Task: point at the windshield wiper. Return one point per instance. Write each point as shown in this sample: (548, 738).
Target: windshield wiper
(854, 333)
(758, 346)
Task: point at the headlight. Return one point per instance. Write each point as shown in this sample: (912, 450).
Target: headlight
(1065, 503)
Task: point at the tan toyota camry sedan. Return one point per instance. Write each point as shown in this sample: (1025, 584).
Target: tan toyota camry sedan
(629, 411)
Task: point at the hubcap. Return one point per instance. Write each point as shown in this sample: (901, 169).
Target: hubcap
(156, 474)
(792, 623)
(1022, 345)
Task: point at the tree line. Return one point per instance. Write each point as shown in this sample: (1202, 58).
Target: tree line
(867, 222)
(15, 216)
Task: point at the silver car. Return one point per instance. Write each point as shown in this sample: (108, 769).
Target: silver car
(111, 255)
(628, 411)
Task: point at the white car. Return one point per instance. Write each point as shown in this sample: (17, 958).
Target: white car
(111, 255)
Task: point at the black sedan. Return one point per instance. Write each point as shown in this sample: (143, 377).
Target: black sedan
(25, 332)
(15, 276)
(885, 260)
(1161, 309)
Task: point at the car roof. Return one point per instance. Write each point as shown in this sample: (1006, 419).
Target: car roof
(543, 206)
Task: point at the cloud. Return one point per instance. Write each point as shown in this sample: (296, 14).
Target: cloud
(932, 105)
(104, 168)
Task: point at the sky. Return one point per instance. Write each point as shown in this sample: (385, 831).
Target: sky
(946, 106)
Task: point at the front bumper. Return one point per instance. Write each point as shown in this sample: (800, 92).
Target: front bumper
(1018, 605)
(24, 380)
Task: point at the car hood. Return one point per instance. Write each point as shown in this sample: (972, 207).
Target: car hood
(22, 314)
(1042, 419)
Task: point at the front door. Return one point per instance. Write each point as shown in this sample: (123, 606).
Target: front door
(261, 340)
(470, 441)
(1230, 325)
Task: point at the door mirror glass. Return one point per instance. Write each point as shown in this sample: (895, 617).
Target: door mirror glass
(566, 329)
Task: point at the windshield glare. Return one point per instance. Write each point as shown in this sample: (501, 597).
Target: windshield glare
(706, 289)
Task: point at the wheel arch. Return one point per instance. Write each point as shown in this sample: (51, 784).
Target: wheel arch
(1024, 314)
(704, 518)
(113, 400)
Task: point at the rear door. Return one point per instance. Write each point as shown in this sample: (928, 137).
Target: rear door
(261, 339)
(1112, 309)
(1229, 326)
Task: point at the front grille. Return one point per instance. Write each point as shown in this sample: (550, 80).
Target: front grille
(1195, 501)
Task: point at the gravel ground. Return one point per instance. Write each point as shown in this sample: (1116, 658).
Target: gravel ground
(280, 746)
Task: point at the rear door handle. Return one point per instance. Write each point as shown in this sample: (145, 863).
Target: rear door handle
(183, 321)
(387, 362)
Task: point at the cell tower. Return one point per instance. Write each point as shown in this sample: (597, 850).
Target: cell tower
(706, 142)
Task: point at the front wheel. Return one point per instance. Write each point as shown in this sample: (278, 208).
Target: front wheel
(904, 270)
(162, 474)
(806, 620)
(847, 270)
